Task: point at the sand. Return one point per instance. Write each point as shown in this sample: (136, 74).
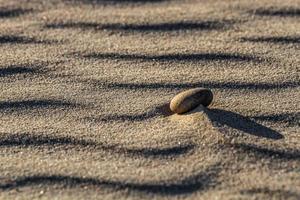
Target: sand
(85, 87)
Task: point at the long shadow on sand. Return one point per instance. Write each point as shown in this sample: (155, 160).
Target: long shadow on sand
(272, 193)
(177, 86)
(8, 71)
(161, 110)
(279, 40)
(160, 27)
(12, 39)
(22, 69)
(39, 140)
(263, 152)
(242, 123)
(291, 119)
(174, 57)
(199, 182)
(24, 140)
(280, 12)
(40, 68)
(33, 104)
(13, 12)
(112, 2)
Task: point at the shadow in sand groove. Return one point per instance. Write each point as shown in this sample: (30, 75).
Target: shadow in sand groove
(242, 123)
(292, 119)
(271, 193)
(162, 27)
(161, 110)
(287, 154)
(25, 69)
(159, 152)
(49, 141)
(281, 40)
(17, 69)
(34, 104)
(199, 182)
(38, 140)
(178, 86)
(281, 12)
(173, 57)
(12, 39)
(13, 12)
(115, 1)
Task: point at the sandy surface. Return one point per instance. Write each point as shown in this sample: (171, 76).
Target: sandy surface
(84, 87)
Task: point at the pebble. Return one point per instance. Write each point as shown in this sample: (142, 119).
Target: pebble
(190, 99)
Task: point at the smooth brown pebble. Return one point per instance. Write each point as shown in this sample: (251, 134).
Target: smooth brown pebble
(190, 99)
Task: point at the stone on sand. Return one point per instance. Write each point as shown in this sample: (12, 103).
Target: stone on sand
(190, 99)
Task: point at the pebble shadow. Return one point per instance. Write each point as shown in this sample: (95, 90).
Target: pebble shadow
(242, 123)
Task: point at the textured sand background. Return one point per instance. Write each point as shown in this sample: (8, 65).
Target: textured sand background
(84, 86)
